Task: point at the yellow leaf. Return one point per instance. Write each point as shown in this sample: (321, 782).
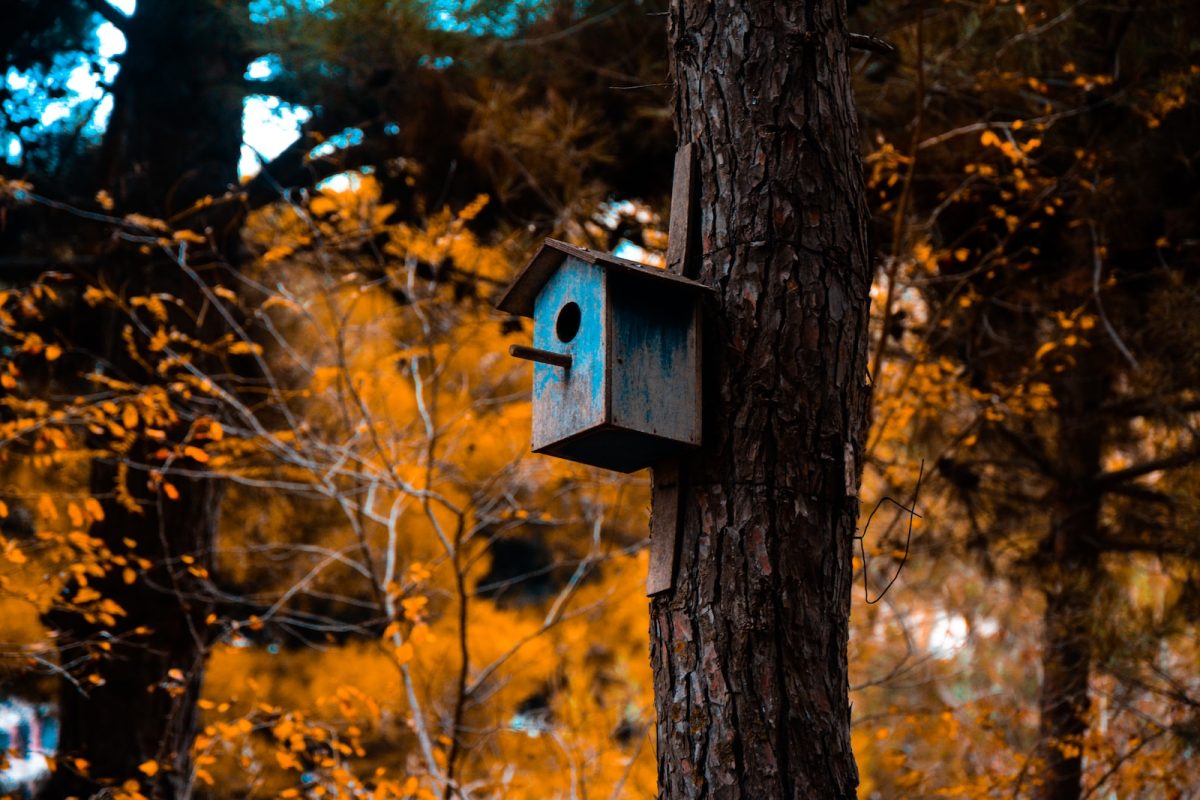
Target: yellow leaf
(46, 508)
(473, 208)
(129, 416)
(244, 348)
(277, 253)
(279, 300)
(189, 236)
(142, 221)
(413, 607)
(53, 352)
(94, 509)
(962, 254)
(1043, 350)
(322, 205)
(170, 491)
(128, 575)
(86, 595)
(3, 509)
(989, 139)
(150, 768)
(159, 340)
(196, 454)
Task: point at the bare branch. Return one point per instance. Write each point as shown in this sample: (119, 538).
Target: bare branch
(1106, 481)
(864, 41)
(110, 13)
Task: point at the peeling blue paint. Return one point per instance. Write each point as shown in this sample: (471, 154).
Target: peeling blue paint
(568, 401)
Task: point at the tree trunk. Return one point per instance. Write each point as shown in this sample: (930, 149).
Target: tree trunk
(174, 137)
(1066, 667)
(749, 646)
(175, 134)
(145, 706)
(1070, 585)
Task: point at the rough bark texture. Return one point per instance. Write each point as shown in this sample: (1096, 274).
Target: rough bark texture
(749, 647)
(1070, 586)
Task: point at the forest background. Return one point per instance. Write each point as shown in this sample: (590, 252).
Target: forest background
(270, 527)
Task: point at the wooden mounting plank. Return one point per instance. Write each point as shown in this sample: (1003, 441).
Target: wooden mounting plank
(682, 233)
(665, 494)
(664, 527)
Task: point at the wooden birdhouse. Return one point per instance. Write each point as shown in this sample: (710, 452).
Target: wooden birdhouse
(616, 346)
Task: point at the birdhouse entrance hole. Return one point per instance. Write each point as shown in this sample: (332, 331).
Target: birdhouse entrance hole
(568, 321)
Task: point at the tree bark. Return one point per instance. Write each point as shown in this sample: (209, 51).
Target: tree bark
(1070, 584)
(749, 646)
(1066, 667)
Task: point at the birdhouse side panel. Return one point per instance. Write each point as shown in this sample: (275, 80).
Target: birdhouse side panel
(656, 360)
(569, 318)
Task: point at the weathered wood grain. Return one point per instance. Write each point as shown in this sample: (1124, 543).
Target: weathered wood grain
(654, 377)
(566, 402)
(664, 485)
(682, 231)
(664, 523)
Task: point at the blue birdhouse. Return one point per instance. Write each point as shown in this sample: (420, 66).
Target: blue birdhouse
(616, 346)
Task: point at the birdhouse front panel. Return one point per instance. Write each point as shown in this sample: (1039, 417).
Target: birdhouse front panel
(569, 317)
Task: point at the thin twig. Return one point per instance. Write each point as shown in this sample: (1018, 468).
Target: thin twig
(912, 515)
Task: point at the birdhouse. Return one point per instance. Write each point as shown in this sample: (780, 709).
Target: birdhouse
(616, 346)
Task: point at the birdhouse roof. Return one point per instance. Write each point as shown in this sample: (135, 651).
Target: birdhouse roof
(519, 297)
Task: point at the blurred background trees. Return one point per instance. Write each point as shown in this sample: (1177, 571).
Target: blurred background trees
(1035, 178)
(269, 522)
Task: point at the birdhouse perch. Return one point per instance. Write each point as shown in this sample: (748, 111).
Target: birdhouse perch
(616, 352)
